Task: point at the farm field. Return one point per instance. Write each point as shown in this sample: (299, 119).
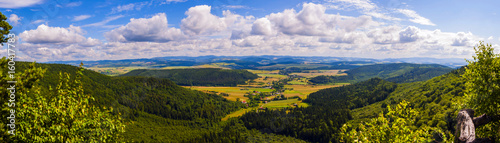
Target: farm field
(234, 92)
(300, 87)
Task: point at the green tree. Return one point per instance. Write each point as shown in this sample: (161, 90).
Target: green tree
(396, 126)
(483, 87)
(65, 115)
(4, 28)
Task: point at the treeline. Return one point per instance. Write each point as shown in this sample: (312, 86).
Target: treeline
(398, 73)
(353, 96)
(198, 77)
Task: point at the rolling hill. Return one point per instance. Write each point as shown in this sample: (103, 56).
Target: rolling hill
(198, 77)
(396, 72)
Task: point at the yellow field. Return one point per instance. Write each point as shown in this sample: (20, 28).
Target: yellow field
(234, 92)
(314, 73)
(300, 88)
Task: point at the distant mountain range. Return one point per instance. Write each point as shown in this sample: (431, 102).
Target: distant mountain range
(251, 62)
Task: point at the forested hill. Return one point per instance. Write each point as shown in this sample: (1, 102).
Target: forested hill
(158, 110)
(152, 95)
(397, 72)
(198, 77)
(434, 99)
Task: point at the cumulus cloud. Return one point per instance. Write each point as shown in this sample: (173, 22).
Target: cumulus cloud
(57, 43)
(385, 35)
(153, 29)
(313, 21)
(262, 26)
(55, 35)
(462, 39)
(409, 34)
(199, 20)
(14, 19)
(81, 17)
(415, 17)
(306, 32)
(19, 3)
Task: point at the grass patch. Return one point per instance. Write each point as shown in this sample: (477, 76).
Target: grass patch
(297, 82)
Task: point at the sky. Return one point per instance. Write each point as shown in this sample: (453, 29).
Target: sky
(63, 30)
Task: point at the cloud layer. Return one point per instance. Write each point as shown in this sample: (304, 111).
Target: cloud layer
(310, 31)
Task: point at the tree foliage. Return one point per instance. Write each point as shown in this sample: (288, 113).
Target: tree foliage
(4, 29)
(483, 86)
(395, 126)
(63, 115)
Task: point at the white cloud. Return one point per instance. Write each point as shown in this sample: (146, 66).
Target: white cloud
(39, 21)
(55, 35)
(415, 17)
(169, 1)
(145, 29)
(14, 19)
(74, 4)
(384, 35)
(236, 6)
(19, 3)
(490, 38)
(262, 26)
(130, 6)
(462, 39)
(199, 20)
(81, 17)
(410, 34)
(57, 43)
(308, 32)
(313, 21)
(121, 8)
(105, 21)
(364, 6)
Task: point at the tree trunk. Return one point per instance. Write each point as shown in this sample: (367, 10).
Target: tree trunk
(466, 127)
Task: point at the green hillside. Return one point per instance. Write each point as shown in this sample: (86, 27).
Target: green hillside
(434, 98)
(198, 77)
(396, 72)
(158, 110)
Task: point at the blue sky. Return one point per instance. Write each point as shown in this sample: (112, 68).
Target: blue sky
(53, 30)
